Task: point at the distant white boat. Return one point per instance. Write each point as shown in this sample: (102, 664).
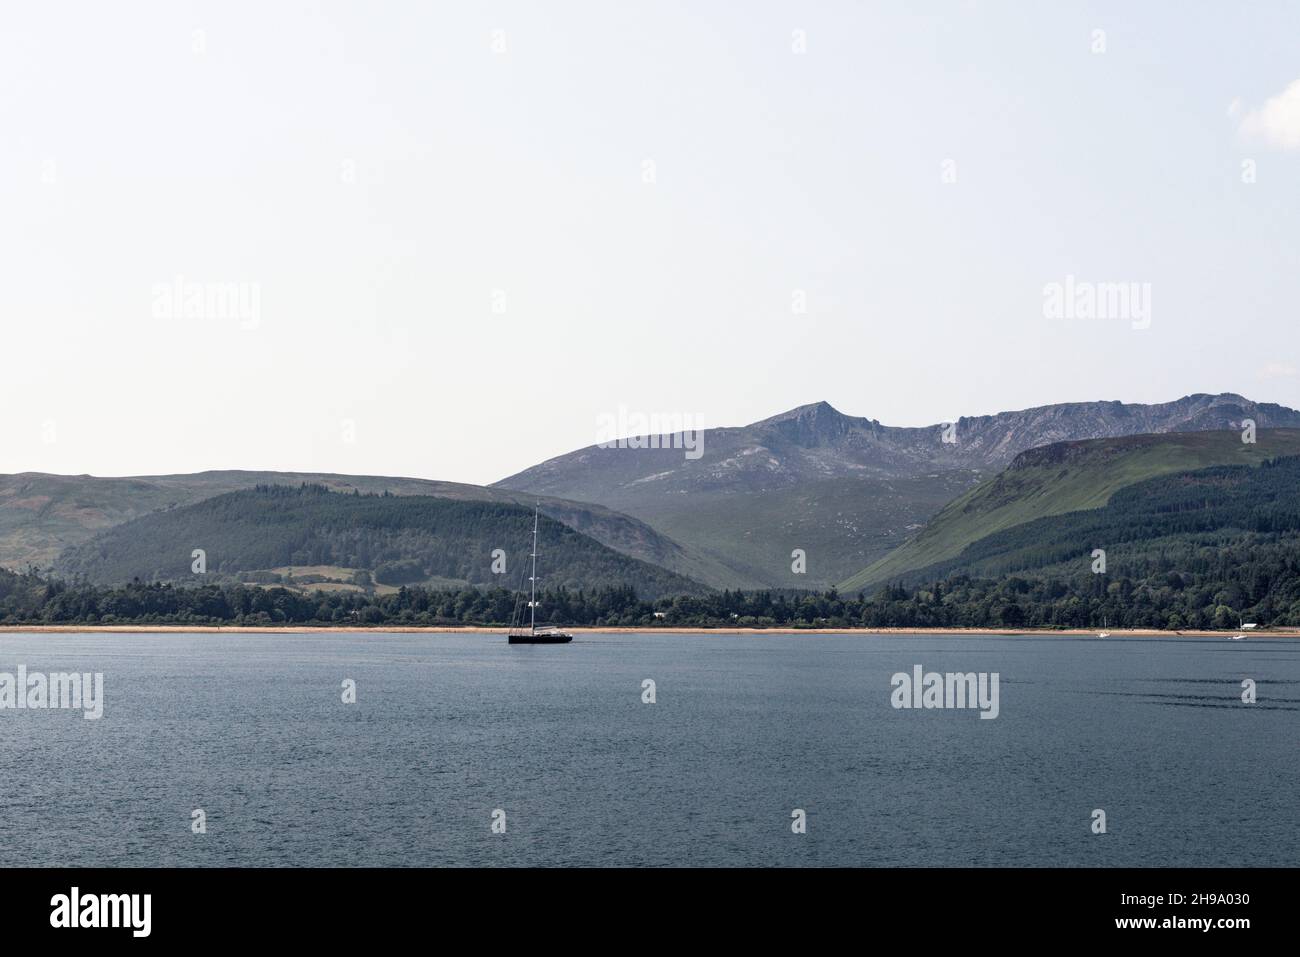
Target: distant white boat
(534, 635)
(1103, 634)
(1237, 638)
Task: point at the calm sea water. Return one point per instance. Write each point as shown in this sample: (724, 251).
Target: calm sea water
(448, 728)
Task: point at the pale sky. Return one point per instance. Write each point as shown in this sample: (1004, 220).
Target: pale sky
(467, 245)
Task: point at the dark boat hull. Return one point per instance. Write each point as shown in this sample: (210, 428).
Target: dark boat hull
(555, 638)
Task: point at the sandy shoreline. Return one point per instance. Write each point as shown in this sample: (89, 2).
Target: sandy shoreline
(471, 630)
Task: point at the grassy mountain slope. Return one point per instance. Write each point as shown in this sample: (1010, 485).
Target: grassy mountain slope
(1167, 532)
(840, 524)
(399, 539)
(1061, 478)
(41, 514)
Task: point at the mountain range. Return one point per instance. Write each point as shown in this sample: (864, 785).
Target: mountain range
(863, 503)
(846, 490)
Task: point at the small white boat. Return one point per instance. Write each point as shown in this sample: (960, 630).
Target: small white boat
(1237, 638)
(532, 635)
(1103, 634)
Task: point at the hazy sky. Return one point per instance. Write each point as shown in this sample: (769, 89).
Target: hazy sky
(463, 232)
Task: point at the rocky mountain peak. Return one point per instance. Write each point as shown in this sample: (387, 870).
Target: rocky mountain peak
(815, 424)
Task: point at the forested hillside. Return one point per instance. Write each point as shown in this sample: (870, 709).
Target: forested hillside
(265, 533)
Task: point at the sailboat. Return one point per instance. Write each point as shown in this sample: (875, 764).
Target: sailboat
(533, 636)
(1103, 633)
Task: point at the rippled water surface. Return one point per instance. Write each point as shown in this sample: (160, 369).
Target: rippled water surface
(448, 728)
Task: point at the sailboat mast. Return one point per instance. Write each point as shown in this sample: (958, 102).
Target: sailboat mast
(532, 604)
